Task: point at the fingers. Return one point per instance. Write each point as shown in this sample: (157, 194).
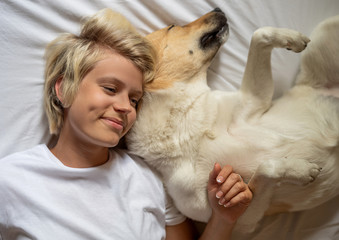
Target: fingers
(228, 195)
(218, 176)
(224, 173)
(212, 181)
(232, 187)
(244, 198)
(228, 187)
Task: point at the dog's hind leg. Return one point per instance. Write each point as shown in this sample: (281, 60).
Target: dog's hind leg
(320, 62)
(257, 84)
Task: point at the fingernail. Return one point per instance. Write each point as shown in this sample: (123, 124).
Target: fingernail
(222, 201)
(220, 179)
(219, 194)
(227, 204)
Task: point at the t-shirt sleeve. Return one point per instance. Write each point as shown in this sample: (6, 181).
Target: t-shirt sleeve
(173, 216)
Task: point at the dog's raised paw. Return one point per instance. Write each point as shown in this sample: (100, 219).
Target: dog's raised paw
(289, 170)
(294, 40)
(314, 172)
(282, 38)
(303, 173)
(298, 44)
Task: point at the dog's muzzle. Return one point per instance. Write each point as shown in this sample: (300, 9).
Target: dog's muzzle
(218, 34)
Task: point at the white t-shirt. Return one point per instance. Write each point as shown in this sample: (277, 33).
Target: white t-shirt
(40, 198)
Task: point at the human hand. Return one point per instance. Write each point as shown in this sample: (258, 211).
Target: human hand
(228, 195)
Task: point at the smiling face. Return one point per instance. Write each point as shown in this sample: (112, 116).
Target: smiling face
(104, 108)
(184, 51)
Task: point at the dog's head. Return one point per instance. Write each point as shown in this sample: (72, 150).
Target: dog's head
(187, 51)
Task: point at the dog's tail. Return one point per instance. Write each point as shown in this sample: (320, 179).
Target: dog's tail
(320, 61)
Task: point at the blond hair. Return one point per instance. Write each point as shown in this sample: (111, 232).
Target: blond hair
(70, 57)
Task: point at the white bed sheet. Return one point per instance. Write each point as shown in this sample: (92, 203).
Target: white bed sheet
(27, 26)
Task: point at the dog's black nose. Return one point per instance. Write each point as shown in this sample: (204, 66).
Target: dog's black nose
(217, 10)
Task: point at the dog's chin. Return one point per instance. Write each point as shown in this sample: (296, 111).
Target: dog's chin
(216, 37)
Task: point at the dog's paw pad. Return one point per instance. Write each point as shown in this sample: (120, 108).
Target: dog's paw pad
(314, 172)
(311, 175)
(301, 172)
(297, 42)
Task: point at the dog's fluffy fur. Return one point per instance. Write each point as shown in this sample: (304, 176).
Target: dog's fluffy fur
(286, 149)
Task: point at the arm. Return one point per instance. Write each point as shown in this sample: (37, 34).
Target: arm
(182, 231)
(229, 197)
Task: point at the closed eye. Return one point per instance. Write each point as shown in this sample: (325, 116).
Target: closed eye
(134, 103)
(170, 27)
(110, 89)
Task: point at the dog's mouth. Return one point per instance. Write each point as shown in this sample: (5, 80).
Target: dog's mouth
(218, 35)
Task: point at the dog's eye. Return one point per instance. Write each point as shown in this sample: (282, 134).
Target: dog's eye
(170, 27)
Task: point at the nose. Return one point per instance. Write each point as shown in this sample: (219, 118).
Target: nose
(122, 105)
(216, 10)
(219, 12)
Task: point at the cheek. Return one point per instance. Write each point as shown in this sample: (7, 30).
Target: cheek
(96, 101)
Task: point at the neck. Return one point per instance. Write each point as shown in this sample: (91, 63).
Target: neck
(79, 155)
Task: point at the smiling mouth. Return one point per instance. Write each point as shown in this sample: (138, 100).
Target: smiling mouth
(114, 123)
(217, 35)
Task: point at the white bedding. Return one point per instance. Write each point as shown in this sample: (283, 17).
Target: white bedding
(27, 26)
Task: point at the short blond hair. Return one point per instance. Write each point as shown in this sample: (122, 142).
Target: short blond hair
(70, 57)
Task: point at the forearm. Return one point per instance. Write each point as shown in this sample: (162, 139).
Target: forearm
(235, 196)
(217, 228)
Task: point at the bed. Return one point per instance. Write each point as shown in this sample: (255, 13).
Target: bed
(27, 26)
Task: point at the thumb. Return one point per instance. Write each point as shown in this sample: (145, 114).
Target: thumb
(212, 181)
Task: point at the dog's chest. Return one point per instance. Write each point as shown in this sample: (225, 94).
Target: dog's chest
(171, 126)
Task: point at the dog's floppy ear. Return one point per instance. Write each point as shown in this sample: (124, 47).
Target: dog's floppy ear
(157, 39)
(108, 19)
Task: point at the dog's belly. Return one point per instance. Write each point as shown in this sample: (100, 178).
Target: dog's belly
(301, 125)
(249, 147)
(243, 147)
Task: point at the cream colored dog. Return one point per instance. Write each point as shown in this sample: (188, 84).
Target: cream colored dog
(286, 149)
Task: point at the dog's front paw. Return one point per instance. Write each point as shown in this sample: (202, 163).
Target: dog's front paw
(301, 172)
(281, 38)
(314, 172)
(286, 170)
(296, 41)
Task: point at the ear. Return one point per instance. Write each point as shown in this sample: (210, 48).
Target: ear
(58, 91)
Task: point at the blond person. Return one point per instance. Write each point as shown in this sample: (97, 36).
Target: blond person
(83, 187)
